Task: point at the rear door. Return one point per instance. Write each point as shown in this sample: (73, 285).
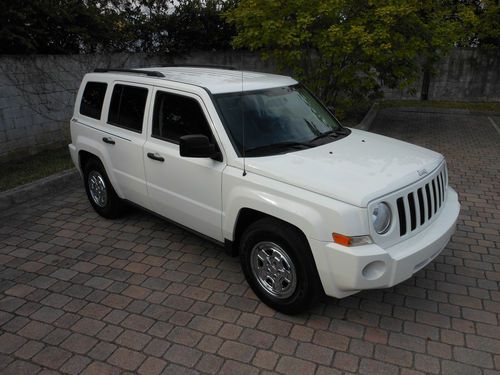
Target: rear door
(186, 190)
(125, 136)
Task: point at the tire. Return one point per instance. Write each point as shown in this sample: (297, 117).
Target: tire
(100, 192)
(297, 286)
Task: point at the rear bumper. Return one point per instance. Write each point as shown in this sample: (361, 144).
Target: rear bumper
(74, 156)
(346, 270)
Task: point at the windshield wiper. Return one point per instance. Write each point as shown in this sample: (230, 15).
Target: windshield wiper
(329, 133)
(279, 145)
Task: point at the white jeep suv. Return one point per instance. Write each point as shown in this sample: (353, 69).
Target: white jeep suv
(255, 162)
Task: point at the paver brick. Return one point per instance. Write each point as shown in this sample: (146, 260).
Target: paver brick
(399, 357)
(88, 326)
(290, 365)
(206, 325)
(78, 343)
(137, 322)
(210, 344)
(331, 340)
(232, 367)
(9, 343)
(152, 366)
(370, 366)
(456, 368)
(210, 364)
(126, 359)
(29, 349)
(47, 314)
(52, 357)
(235, 350)
(21, 368)
(275, 326)
(315, 353)
(132, 339)
(102, 351)
(157, 347)
(183, 355)
(346, 361)
(147, 297)
(75, 364)
(265, 359)
(230, 331)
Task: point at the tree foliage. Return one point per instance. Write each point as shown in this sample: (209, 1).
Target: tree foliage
(345, 50)
(486, 32)
(85, 26)
(63, 26)
(184, 25)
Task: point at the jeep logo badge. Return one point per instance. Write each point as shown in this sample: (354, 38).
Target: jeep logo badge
(422, 172)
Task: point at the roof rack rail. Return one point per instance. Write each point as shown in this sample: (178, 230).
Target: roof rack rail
(215, 66)
(150, 73)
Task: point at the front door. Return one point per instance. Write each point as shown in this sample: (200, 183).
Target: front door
(185, 190)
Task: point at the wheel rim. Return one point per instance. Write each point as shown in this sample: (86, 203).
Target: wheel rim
(273, 269)
(97, 188)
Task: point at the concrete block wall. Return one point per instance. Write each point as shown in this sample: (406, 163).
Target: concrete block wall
(467, 75)
(37, 93)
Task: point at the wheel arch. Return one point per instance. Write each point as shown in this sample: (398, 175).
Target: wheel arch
(88, 153)
(246, 217)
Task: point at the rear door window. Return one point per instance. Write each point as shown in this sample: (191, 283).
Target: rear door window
(127, 106)
(92, 99)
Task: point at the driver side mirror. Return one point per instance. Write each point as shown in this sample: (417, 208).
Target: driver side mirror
(197, 146)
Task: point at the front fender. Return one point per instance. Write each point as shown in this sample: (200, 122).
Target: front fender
(315, 215)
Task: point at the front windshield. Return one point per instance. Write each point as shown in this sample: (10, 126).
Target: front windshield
(285, 116)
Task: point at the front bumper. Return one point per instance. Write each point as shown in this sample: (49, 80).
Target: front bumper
(347, 270)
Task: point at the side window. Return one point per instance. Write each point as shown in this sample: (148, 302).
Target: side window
(175, 116)
(92, 99)
(127, 106)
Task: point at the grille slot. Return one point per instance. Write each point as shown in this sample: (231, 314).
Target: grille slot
(402, 217)
(419, 206)
(413, 214)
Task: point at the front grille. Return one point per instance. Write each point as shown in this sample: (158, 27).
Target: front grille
(417, 207)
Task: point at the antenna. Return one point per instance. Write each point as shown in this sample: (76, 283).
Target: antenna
(243, 120)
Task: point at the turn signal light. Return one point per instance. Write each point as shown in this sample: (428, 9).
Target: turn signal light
(351, 241)
(341, 239)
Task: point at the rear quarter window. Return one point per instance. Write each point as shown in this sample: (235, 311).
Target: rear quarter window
(92, 99)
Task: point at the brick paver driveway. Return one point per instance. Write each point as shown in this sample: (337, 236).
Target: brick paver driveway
(84, 294)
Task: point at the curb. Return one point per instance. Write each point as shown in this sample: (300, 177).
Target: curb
(448, 111)
(36, 188)
(367, 121)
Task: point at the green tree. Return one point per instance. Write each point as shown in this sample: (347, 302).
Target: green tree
(62, 26)
(345, 50)
(487, 30)
(86, 26)
(179, 26)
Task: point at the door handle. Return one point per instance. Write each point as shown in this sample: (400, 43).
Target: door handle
(108, 140)
(156, 156)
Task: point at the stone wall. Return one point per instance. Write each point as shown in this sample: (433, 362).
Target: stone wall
(37, 93)
(467, 75)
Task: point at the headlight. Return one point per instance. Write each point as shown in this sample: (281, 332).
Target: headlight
(381, 218)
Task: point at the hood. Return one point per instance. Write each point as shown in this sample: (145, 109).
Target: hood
(356, 169)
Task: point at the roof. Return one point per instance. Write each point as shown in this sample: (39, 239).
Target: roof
(219, 81)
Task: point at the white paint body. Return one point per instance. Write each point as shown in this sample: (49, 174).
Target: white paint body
(322, 190)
